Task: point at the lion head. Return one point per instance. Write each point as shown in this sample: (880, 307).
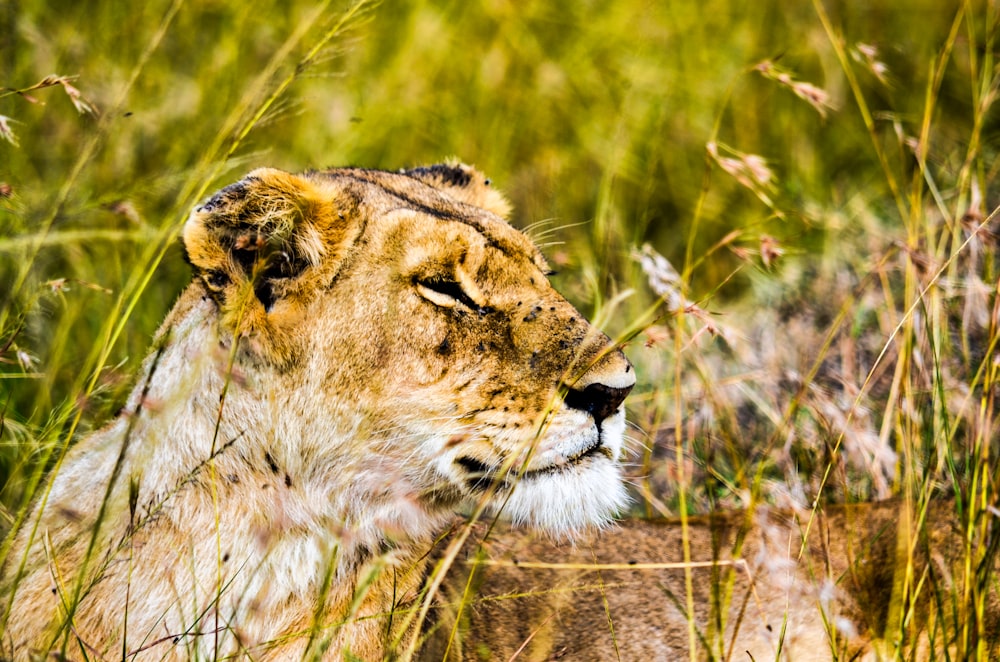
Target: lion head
(409, 321)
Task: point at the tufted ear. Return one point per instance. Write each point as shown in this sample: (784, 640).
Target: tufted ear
(263, 246)
(464, 183)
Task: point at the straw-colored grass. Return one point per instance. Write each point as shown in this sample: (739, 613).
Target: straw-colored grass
(797, 198)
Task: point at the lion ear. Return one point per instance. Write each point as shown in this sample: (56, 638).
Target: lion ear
(465, 184)
(262, 247)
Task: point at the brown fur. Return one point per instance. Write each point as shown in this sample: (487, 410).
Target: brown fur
(360, 354)
(844, 595)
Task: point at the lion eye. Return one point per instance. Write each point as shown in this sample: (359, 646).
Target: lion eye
(444, 292)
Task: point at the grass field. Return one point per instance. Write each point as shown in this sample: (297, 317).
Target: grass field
(787, 207)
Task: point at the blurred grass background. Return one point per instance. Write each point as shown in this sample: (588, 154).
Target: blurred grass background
(819, 175)
(794, 201)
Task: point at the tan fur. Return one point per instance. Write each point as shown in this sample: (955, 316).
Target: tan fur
(622, 593)
(360, 354)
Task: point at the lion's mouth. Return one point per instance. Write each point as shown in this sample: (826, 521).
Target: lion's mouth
(483, 476)
(597, 448)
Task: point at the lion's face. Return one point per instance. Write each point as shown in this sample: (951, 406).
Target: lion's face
(429, 325)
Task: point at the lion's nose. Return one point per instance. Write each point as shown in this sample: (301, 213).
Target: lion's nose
(598, 399)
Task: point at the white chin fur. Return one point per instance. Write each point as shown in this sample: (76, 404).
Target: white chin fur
(567, 501)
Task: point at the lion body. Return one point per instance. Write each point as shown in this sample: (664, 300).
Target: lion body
(871, 582)
(360, 354)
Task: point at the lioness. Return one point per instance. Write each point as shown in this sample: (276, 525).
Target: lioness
(360, 353)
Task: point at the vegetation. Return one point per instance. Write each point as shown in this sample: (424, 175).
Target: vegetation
(785, 209)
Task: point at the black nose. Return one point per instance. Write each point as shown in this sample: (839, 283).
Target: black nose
(600, 400)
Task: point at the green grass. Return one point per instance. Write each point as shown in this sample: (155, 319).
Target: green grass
(841, 336)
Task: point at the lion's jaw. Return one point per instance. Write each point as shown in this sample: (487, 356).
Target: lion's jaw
(561, 475)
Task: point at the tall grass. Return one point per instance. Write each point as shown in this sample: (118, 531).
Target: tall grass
(814, 186)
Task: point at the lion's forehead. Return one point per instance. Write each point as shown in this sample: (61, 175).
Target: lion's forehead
(387, 199)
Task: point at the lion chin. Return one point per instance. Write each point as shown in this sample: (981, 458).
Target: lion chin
(573, 485)
(360, 355)
(566, 500)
